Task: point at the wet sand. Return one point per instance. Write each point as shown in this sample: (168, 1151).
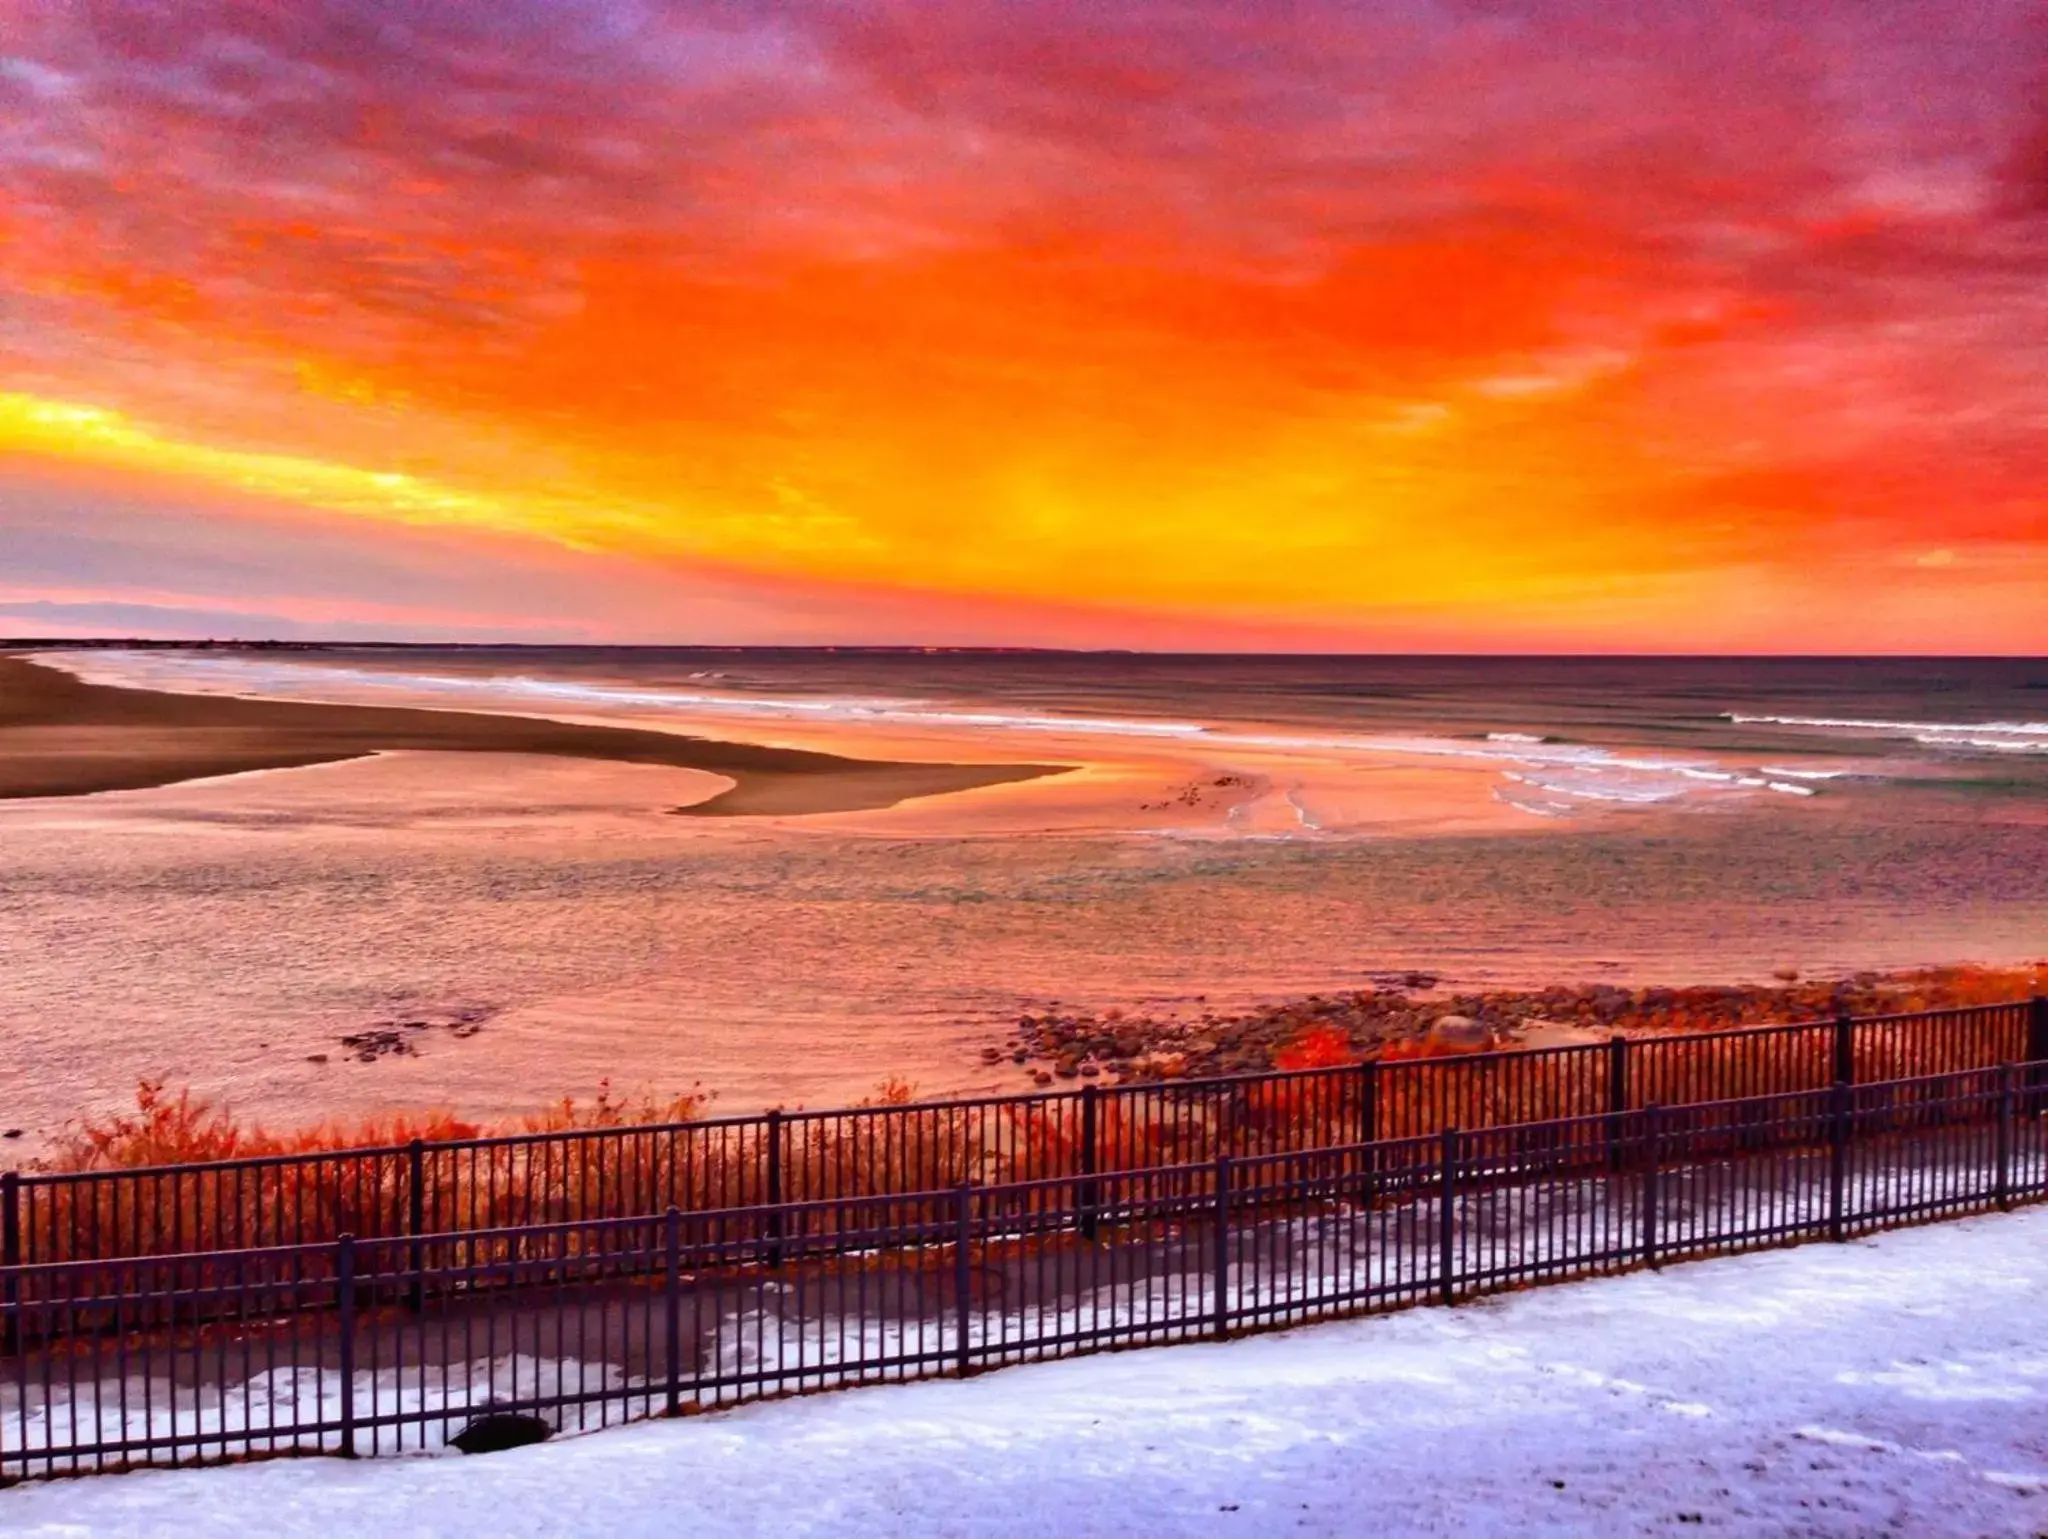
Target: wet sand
(62, 736)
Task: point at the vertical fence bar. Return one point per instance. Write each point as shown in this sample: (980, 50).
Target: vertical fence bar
(1838, 1159)
(2001, 1189)
(1367, 1132)
(1220, 1260)
(10, 1257)
(963, 1277)
(672, 1304)
(1845, 1050)
(1617, 1097)
(1447, 1218)
(1653, 1170)
(773, 1134)
(345, 1307)
(1085, 1193)
(416, 1221)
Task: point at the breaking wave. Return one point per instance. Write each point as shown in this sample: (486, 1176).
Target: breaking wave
(1991, 736)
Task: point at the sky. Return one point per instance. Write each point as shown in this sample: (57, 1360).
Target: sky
(1419, 325)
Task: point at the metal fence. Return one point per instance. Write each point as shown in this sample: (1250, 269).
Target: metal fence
(372, 1344)
(800, 1156)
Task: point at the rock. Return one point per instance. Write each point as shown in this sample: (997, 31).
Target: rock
(1040, 1077)
(11, 1133)
(1089, 1071)
(1537, 1033)
(498, 1430)
(383, 1041)
(316, 1058)
(1787, 975)
(991, 1055)
(1020, 1056)
(1459, 1034)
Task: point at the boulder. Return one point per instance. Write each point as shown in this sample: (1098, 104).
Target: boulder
(1536, 1033)
(1459, 1034)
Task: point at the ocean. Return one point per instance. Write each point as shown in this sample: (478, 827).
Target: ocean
(1220, 831)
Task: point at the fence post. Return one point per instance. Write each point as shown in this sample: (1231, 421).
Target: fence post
(2001, 1190)
(774, 1216)
(1838, 1161)
(1845, 1049)
(1085, 1192)
(963, 1279)
(10, 1257)
(1653, 1170)
(1617, 1097)
(1368, 1129)
(672, 1303)
(416, 1221)
(1221, 1258)
(345, 1303)
(1447, 1219)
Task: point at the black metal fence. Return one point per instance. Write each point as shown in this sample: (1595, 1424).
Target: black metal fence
(722, 1164)
(377, 1344)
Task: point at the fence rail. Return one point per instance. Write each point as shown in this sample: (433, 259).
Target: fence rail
(371, 1344)
(737, 1162)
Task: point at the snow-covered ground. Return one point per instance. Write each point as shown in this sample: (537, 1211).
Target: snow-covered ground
(1894, 1385)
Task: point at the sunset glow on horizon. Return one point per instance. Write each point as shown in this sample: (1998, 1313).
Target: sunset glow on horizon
(1458, 326)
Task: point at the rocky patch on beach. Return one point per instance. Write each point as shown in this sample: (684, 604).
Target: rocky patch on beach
(402, 1038)
(1405, 1015)
(1202, 794)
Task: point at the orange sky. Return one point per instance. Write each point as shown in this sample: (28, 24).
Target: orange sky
(1452, 326)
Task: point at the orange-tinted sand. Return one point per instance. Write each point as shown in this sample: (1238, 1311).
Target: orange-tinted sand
(62, 736)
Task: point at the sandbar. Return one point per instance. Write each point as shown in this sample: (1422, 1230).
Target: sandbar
(62, 736)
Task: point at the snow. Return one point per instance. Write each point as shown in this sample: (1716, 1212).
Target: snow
(175, 1404)
(1893, 1385)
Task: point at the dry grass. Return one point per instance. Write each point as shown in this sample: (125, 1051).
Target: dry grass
(180, 1128)
(616, 1156)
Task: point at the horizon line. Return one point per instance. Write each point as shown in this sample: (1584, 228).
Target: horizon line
(52, 643)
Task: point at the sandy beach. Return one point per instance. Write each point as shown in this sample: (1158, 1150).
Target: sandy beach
(63, 736)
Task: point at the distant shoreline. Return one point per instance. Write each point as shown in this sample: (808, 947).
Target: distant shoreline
(61, 736)
(16, 644)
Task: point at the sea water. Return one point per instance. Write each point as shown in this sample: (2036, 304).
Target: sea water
(1219, 830)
